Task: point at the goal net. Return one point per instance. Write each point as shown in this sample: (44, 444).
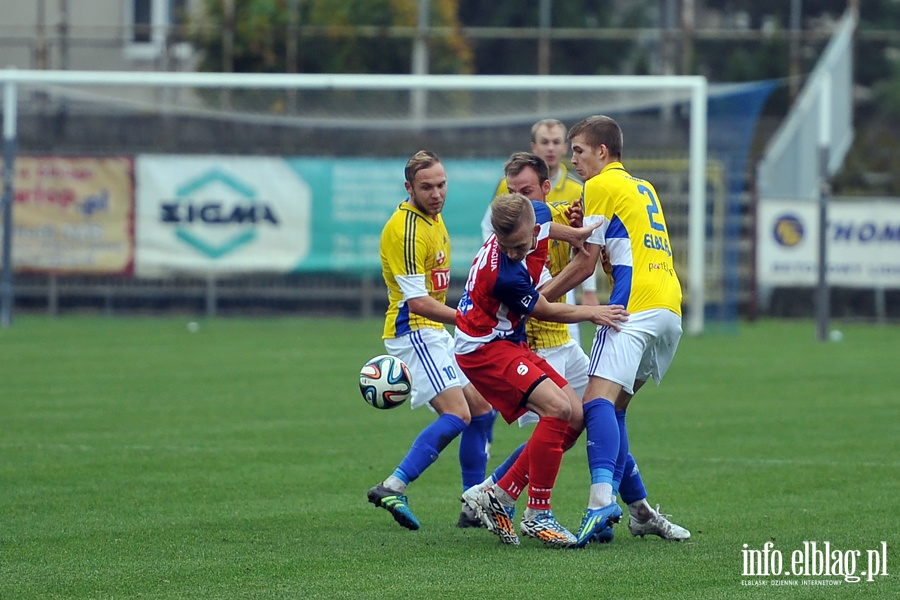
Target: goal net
(323, 154)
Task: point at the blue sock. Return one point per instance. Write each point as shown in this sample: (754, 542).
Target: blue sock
(472, 457)
(500, 471)
(602, 431)
(428, 445)
(632, 485)
(490, 436)
(623, 450)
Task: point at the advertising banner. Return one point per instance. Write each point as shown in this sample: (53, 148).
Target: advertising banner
(862, 241)
(73, 215)
(220, 215)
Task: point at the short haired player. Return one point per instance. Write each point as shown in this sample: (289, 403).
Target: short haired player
(632, 244)
(415, 261)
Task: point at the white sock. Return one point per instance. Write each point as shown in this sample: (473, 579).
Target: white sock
(601, 495)
(640, 510)
(504, 497)
(395, 484)
(531, 513)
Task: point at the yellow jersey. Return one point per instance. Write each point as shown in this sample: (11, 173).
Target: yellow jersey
(413, 244)
(547, 334)
(638, 254)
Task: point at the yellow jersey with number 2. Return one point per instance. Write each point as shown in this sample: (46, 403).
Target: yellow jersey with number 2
(636, 239)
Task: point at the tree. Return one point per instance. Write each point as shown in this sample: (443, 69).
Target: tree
(326, 41)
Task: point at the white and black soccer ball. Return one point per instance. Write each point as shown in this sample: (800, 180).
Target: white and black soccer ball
(385, 382)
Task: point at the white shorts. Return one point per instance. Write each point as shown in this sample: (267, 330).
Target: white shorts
(574, 328)
(644, 348)
(432, 363)
(571, 362)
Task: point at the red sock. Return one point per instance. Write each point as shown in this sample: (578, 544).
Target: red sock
(516, 478)
(571, 437)
(545, 456)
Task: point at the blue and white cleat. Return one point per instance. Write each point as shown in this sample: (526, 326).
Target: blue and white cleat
(542, 525)
(595, 520)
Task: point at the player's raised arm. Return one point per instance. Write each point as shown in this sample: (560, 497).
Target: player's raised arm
(579, 268)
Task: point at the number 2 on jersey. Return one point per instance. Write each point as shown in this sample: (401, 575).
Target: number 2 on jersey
(652, 208)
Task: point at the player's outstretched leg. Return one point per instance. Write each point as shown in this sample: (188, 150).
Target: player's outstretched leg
(395, 503)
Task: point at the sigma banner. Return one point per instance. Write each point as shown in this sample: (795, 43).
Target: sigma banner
(220, 215)
(862, 242)
(217, 214)
(73, 215)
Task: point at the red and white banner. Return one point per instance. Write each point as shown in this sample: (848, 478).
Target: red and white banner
(73, 215)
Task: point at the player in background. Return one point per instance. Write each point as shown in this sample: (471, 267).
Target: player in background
(548, 140)
(632, 244)
(527, 174)
(499, 296)
(415, 262)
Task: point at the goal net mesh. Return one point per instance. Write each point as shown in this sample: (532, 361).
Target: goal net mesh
(468, 124)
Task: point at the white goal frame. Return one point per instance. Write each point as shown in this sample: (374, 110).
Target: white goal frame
(696, 86)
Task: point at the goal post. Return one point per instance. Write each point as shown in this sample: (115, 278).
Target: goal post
(438, 105)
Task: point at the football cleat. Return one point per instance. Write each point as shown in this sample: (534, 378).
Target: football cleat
(496, 516)
(604, 536)
(544, 526)
(658, 524)
(468, 518)
(395, 503)
(595, 520)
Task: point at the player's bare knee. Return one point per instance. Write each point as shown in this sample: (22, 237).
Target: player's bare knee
(557, 407)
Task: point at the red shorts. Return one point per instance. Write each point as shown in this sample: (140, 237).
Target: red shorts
(506, 373)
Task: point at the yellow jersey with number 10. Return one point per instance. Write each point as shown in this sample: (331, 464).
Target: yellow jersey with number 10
(412, 243)
(634, 232)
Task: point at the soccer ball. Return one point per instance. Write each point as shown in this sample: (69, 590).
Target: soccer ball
(385, 382)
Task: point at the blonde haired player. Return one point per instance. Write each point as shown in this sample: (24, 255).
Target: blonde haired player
(548, 141)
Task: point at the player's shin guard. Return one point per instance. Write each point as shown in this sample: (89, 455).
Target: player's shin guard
(428, 445)
(472, 455)
(602, 449)
(545, 451)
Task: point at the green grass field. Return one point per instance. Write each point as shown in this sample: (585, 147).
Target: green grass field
(143, 461)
